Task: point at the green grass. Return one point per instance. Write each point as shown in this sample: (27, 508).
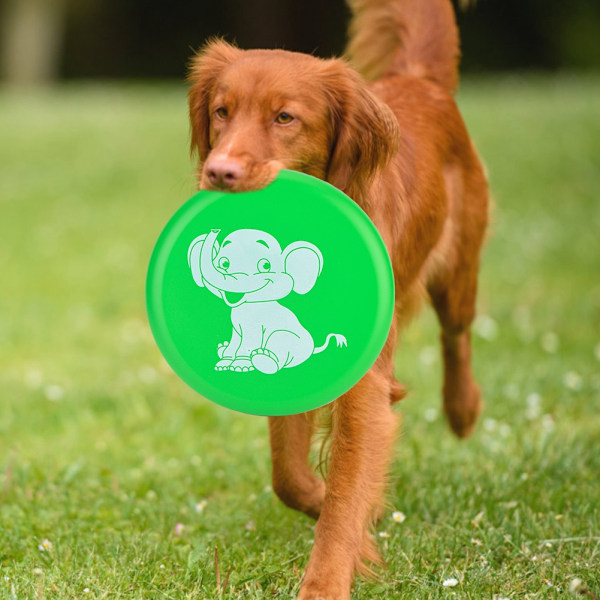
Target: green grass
(103, 451)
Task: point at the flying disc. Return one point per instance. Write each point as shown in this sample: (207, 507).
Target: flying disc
(270, 302)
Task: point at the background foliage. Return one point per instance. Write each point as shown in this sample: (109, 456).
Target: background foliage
(116, 481)
(151, 38)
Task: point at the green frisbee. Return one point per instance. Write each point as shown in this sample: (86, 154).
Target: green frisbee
(270, 302)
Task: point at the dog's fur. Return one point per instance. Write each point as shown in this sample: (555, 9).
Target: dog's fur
(399, 148)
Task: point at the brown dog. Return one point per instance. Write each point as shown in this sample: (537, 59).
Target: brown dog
(399, 148)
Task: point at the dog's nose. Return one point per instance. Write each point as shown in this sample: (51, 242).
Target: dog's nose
(224, 173)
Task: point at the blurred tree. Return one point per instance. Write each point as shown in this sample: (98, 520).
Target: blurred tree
(153, 38)
(31, 34)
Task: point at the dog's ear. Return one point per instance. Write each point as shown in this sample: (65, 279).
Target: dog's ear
(365, 130)
(205, 68)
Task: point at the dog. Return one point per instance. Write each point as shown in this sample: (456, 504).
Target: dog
(382, 126)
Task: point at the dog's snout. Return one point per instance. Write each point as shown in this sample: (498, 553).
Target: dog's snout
(224, 173)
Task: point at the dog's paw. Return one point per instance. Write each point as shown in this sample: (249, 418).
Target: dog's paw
(462, 414)
(312, 592)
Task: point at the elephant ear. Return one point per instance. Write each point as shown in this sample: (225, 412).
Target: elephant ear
(194, 250)
(303, 261)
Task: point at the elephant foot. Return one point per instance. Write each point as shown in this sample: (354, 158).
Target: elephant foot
(264, 361)
(241, 365)
(223, 364)
(221, 348)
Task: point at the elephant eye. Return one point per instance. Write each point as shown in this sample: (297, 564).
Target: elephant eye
(263, 265)
(223, 263)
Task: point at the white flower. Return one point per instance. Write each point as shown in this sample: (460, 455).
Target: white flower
(195, 460)
(476, 542)
(430, 414)
(549, 342)
(485, 327)
(54, 393)
(201, 506)
(384, 535)
(533, 406)
(505, 430)
(490, 424)
(147, 374)
(572, 380)
(477, 519)
(427, 356)
(576, 586)
(45, 546)
(452, 582)
(34, 378)
(399, 517)
(548, 422)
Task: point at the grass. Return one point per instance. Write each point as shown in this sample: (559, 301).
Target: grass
(133, 479)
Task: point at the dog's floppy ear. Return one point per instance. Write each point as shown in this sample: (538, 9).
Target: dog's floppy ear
(365, 131)
(205, 68)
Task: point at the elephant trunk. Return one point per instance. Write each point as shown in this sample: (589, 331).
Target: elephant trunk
(209, 273)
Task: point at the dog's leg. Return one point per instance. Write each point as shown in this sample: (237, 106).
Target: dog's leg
(294, 481)
(454, 302)
(362, 438)
(462, 399)
(455, 307)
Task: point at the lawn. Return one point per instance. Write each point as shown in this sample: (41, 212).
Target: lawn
(117, 481)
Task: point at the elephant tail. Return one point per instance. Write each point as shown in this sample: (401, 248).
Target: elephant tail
(340, 340)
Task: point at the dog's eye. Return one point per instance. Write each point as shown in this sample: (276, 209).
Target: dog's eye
(263, 265)
(284, 118)
(224, 263)
(221, 112)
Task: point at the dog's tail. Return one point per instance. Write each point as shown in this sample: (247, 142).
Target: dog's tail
(405, 37)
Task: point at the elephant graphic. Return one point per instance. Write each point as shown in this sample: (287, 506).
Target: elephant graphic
(250, 272)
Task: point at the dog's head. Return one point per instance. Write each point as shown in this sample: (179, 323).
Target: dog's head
(255, 112)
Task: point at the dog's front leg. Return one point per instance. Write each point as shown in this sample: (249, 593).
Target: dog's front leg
(362, 439)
